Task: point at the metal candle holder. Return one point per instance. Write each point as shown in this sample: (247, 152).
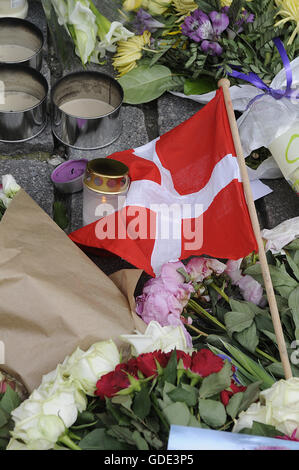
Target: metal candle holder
(81, 132)
(18, 32)
(24, 124)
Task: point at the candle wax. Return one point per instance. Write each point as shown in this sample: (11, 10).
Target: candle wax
(18, 101)
(86, 108)
(14, 53)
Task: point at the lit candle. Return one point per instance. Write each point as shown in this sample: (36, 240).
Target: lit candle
(105, 186)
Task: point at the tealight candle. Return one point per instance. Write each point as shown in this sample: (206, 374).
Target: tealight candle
(68, 177)
(106, 183)
(14, 8)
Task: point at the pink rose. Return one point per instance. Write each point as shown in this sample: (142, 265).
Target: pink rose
(201, 268)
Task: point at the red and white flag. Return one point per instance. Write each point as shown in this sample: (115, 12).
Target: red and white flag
(185, 198)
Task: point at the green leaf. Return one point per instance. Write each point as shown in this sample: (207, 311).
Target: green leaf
(177, 413)
(203, 84)
(216, 382)
(294, 306)
(100, 440)
(144, 84)
(10, 400)
(294, 245)
(140, 442)
(248, 338)
(4, 417)
(255, 370)
(185, 394)
(60, 215)
(293, 266)
(237, 321)
(212, 412)
(266, 430)
(246, 307)
(170, 371)
(142, 403)
(250, 395)
(234, 404)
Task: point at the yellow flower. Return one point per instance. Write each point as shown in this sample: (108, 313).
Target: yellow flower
(128, 52)
(156, 7)
(130, 5)
(184, 7)
(289, 10)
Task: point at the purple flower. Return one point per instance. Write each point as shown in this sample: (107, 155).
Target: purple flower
(206, 29)
(145, 22)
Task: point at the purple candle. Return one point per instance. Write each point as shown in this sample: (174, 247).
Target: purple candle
(68, 177)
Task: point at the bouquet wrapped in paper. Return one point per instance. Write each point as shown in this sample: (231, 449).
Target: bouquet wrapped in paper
(53, 298)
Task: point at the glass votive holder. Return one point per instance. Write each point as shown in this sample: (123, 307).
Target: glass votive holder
(285, 151)
(105, 186)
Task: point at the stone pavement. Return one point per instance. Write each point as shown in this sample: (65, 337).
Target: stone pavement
(31, 162)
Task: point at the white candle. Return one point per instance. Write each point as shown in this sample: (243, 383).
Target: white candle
(17, 101)
(14, 8)
(14, 53)
(86, 108)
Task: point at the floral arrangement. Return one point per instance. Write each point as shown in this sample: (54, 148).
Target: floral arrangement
(96, 400)
(224, 306)
(182, 45)
(8, 189)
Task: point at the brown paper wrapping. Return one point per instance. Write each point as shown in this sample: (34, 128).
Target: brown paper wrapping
(53, 298)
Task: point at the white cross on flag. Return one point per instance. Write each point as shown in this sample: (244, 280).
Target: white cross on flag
(185, 198)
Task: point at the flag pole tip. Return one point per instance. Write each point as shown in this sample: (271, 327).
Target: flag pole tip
(224, 83)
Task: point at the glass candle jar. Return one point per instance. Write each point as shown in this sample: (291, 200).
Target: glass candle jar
(285, 150)
(106, 184)
(15, 8)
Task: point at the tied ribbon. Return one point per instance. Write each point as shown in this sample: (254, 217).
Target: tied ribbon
(258, 83)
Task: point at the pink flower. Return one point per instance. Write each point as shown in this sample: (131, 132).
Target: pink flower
(251, 290)
(201, 268)
(170, 276)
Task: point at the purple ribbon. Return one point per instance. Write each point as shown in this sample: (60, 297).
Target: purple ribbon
(258, 83)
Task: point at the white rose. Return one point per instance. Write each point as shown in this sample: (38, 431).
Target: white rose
(39, 432)
(255, 412)
(58, 381)
(87, 367)
(10, 186)
(282, 403)
(156, 337)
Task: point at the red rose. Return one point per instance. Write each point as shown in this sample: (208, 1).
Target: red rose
(147, 362)
(106, 387)
(225, 395)
(184, 356)
(109, 384)
(205, 362)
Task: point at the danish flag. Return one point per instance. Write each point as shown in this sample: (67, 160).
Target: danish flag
(193, 170)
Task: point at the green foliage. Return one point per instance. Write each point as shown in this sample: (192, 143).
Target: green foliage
(8, 402)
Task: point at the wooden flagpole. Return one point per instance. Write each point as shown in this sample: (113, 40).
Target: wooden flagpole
(225, 84)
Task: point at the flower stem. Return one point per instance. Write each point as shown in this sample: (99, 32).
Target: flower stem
(67, 441)
(267, 356)
(202, 312)
(159, 412)
(220, 291)
(201, 333)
